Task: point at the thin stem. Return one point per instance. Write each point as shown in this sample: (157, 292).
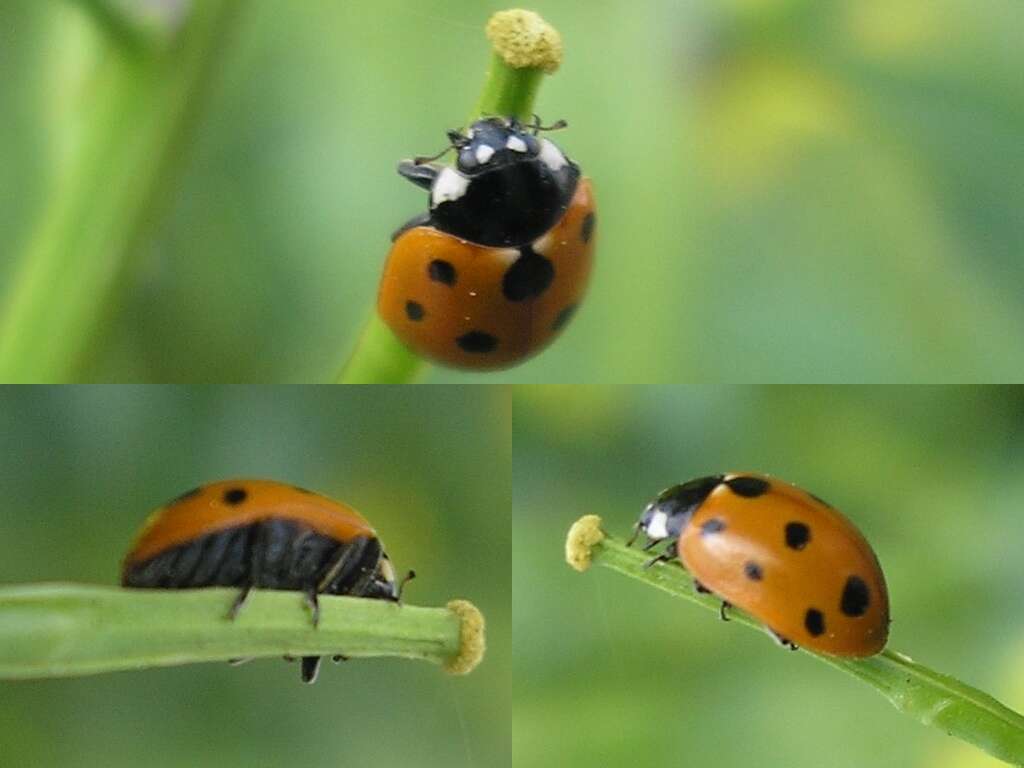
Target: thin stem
(61, 630)
(926, 695)
(525, 48)
(142, 104)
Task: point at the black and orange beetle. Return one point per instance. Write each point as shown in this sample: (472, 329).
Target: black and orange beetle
(261, 534)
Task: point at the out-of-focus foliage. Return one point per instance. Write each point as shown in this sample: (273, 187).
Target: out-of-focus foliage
(81, 469)
(607, 672)
(789, 189)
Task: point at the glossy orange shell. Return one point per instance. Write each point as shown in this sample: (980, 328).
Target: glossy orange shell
(474, 302)
(207, 510)
(794, 580)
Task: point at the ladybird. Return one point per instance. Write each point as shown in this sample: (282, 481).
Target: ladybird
(779, 553)
(497, 266)
(261, 534)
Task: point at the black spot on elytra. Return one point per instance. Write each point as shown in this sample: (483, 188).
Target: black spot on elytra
(753, 571)
(748, 487)
(477, 342)
(814, 621)
(714, 525)
(235, 496)
(184, 496)
(587, 230)
(563, 317)
(797, 535)
(528, 277)
(441, 271)
(856, 597)
(414, 310)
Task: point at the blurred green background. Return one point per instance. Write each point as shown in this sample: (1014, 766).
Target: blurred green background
(83, 466)
(607, 671)
(789, 190)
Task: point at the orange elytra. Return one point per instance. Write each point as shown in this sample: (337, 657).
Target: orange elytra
(779, 553)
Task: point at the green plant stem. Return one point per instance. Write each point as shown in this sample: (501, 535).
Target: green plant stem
(926, 695)
(142, 105)
(58, 630)
(379, 357)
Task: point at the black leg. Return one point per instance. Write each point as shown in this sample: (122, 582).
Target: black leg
(785, 642)
(341, 567)
(651, 544)
(722, 609)
(700, 588)
(338, 658)
(314, 605)
(636, 532)
(671, 553)
(420, 174)
(310, 668)
(240, 600)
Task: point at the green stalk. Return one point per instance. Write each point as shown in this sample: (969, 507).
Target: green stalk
(525, 48)
(922, 693)
(143, 103)
(63, 630)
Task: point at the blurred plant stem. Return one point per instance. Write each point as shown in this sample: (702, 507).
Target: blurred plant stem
(924, 694)
(62, 630)
(524, 48)
(143, 101)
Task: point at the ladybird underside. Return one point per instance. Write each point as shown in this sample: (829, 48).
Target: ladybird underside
(270, 554)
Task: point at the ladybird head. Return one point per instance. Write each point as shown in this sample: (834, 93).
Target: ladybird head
(383, 586)
(494, 143)
(668, 514)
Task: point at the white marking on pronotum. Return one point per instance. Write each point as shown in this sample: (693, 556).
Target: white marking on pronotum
(484, 153)
(657, 528)
(449, 185)
(516, 144)
(387, 571)
(552, 156)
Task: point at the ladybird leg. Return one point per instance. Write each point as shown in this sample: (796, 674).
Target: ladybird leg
(667, 556)
(240, 600)
(651, 544)
(420, 174)
(700, 589)
(338, 658)
(419, 220)
(636, 532)
(313, 602)
(722, 610)
(310, 668)
(785, 642)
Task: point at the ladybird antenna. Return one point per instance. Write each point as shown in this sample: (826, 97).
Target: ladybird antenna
(455, 141)
(556, 126)
(401, 585)
(636, 532)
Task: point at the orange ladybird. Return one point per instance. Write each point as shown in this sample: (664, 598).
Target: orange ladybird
(497, 267)
(779, 553)
(261, 534)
